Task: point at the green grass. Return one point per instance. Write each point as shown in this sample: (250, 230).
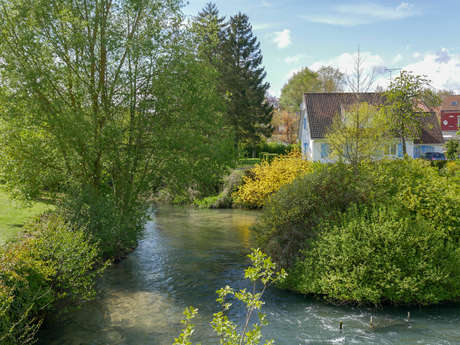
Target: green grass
(14, 214)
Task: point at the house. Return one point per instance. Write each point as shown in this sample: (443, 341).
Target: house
(449, 115)
(319, 109)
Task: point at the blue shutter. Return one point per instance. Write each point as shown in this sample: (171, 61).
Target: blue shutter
(400, 150)
(324, 150)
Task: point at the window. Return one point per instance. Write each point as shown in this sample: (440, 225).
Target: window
(304, 123)
(458, 121)
(324, 150)
(454, 103)
(390, 150)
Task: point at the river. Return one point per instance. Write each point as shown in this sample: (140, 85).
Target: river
(187, 254)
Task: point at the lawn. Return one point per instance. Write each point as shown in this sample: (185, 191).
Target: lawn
(13, 215)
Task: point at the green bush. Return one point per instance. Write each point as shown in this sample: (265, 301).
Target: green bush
(291, 215)
(116, 232)
(293, 223)
(380, 255)
(265, 147)
(224, 200)
(248, 161)
(54, 262)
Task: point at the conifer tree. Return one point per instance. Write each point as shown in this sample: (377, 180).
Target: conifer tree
(243, 77)
(209, 29)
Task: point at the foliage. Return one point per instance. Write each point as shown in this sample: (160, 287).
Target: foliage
(112, 98)
(292, 92)
(408, 101)
(358, 133)
(262, 269)
(242, 162)
(266, 178)
(268, 147)
(331, 79)
(209, 29)
(247, 112)
(291, 216)
(54, 262)
(286, 126)
(453, 149)
(326, 225)
(230, 184)
(382, 254)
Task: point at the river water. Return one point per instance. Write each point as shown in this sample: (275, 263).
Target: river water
(186, 255)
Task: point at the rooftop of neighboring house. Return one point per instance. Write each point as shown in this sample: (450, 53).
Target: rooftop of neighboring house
(322, 107)
(451, 103)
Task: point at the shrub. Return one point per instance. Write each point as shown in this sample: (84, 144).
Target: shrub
(292, 214)
(54, 262)
(276, 148)
(383, 254)
(266, 178)
(117, 232)
(224, 200)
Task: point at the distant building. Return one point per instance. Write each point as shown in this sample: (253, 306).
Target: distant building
(449, 115)
(319, 109)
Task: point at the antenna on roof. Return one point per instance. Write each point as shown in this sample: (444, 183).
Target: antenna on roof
(390, 70)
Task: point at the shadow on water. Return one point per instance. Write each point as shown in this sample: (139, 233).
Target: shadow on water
(185, 256)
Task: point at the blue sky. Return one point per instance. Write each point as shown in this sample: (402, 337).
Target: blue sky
(418, 35)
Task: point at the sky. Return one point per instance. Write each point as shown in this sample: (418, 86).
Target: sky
(422, 36)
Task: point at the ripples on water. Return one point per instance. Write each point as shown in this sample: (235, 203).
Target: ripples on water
(185, 256)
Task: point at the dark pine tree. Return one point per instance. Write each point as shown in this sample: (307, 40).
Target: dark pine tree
(243, 78)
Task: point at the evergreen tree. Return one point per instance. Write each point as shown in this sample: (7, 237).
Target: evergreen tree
(243, 76)
(209, 30)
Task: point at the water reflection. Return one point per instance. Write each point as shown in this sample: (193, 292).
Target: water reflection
(188, 254)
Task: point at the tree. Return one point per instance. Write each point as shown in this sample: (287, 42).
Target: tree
(358, 134)
(453, 149)
(292, 92)
(326, 79)
(331, 79)
(408, 102)
(247, 111)
(209, 29)
(361, 79)
(110, 100)
(286, 126)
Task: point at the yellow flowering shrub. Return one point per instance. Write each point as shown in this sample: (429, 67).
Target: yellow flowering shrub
(267, 178)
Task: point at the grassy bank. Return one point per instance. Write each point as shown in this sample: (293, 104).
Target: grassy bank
(13, 215)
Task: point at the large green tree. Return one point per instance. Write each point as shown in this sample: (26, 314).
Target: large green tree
(106, 99)
(408, 100)
(209, 28)
(326, 79)
(243, 79)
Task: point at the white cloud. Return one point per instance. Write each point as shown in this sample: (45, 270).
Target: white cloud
(353, 14)
(283, 38)
(345, 62)
(397, 58)
(442, 68)
(294, 59)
